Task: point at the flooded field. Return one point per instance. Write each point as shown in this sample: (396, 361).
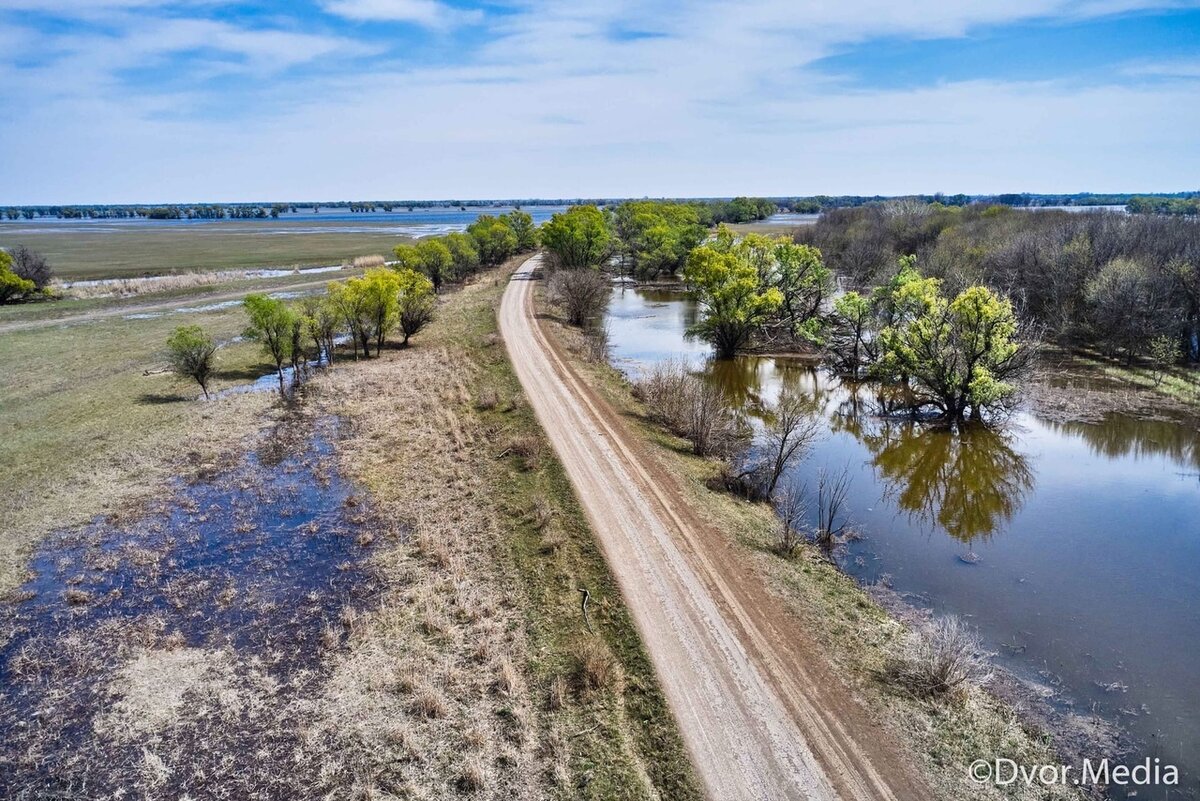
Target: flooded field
(1072, 547)
(161, 652)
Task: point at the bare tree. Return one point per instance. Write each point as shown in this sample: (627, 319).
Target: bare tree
(792, 508)
(583, 294)
(831, 498)
(32, 266)
(790, 433)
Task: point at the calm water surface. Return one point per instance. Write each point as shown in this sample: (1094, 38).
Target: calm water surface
(1087, 535)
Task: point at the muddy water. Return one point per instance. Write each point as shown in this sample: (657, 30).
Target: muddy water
(1072, 547)
(250, 573)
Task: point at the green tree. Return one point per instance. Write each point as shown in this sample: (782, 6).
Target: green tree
(734, 304)
(191, 353)
(436, 262)
(12, 286)
(322, 320)
(577, 238)
(271, 324)
(494, 239)
(657, 237)
(415, 303)
(954, 355)
(464, 254)
(521, 224)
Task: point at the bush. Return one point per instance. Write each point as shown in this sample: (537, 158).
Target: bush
(941, 659)
(692, 408)
(583, 295)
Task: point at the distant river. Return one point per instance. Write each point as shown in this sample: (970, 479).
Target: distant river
(1087, 535)
(416, 223)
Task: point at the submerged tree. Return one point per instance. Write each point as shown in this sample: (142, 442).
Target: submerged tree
(734, 303)
(191, 353)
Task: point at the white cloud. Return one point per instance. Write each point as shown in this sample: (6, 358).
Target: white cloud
(429, 13)
(553, 104)
(1183, 68)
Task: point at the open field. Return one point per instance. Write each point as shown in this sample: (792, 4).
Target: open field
(466, 667)
(87, 431)
(147, 249)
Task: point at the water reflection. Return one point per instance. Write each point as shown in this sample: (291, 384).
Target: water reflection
(969, 483)
(1119, 435)
(1086, 532)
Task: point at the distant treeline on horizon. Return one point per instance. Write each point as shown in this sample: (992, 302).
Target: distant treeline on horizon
(1141, 203)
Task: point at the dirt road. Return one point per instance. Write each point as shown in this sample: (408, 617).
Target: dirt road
(761, 714)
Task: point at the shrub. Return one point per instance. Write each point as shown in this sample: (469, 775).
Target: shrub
(596, 668)
(941, 659)
(692, 408)
(583, 294)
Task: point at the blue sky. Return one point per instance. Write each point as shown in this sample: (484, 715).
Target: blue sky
(177, 100)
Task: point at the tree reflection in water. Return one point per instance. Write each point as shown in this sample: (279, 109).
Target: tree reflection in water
(969, 481)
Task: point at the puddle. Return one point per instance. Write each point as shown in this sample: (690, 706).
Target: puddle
(254, 572)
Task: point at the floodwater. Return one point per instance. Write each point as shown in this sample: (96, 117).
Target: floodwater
(416, 223)
(1072, 547)
(259, 562)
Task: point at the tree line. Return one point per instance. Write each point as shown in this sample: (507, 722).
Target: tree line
(397, 299)
(1120, 283)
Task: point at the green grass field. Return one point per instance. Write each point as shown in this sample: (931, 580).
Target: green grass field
(149, 250)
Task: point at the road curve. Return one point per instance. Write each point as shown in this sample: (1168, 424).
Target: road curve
(760, 712)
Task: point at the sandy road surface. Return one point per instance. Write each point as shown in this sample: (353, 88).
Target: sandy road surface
(762, 716)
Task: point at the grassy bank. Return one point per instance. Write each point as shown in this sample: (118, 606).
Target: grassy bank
(858, 636)
(148, 249)
(498, 554)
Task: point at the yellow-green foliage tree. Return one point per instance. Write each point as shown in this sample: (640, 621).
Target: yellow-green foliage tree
(271, 323)
(415, 303)
(12, 286)
(956, 355)
(190, 353)
(436, 262)
(800, 275)
(734, 302)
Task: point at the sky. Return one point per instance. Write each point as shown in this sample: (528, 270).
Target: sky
(142, 101)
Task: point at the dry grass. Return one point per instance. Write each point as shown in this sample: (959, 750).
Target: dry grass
(447, 653)
(147, 285)
(363, 262)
